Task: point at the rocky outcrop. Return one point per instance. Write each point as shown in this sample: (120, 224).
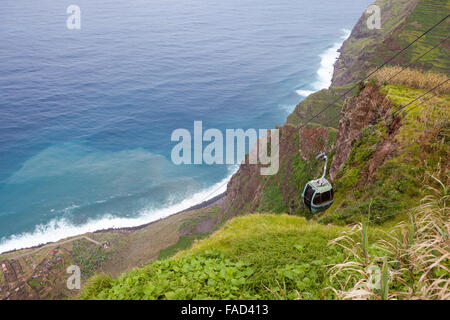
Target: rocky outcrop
(358, 113)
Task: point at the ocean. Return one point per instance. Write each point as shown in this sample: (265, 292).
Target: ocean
(87, 115)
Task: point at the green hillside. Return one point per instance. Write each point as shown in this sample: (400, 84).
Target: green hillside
(267, 256)
(251, 257)
(402, 22)
(388, 163)
(316, 102)
(390, 155)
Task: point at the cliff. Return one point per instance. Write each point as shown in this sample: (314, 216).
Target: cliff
(402, 21)
(365, 148)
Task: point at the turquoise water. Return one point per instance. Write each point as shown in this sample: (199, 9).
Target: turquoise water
(86, 115)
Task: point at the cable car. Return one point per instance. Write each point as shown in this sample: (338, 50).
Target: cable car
(318, 195)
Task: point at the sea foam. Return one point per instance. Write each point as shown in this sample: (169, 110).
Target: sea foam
(304, 93)
(326, 69)
(61, 228)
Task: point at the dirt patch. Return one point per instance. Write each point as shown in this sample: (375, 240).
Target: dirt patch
(205, 225)
(312, 141)
(385, 150)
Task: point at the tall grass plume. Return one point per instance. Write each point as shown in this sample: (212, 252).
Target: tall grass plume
(411, 261)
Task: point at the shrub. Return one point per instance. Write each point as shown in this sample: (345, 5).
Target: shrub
(207, 275)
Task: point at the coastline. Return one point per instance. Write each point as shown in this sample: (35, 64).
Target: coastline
(216, 200)
(323, 80)
(128, 246)
(110, 251)
(196, 201)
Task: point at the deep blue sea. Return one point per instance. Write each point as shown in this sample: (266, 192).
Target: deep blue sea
(86, 115)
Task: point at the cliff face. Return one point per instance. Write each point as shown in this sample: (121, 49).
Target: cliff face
(248, 191)
(358, 113)
(379, 158)
(401, 22)
(316, 102)
(363, 49)
(376, 160)
(383, 156)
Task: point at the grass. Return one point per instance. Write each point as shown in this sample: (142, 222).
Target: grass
(273, 256)
(421, 144)
(34, 283)
(402, 23)
(184, 242)
(413, 78)
(288, 253)
(316, 102)
(193, 222)
(259, 256)
(412, 261)
(2, 278)
(272, 200)
(201, 276)
(426, 14)
(285, 257)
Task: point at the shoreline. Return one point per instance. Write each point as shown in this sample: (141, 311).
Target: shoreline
(204, 204)
(197, 201)
(217, 200)
(330, 53)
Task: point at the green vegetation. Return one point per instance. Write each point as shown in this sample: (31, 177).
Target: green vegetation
(359, 157)
(87, 256)
(193, 222)
(34, 283)
(200, 276)
(2, 278)
(396, 185)
(402, 22)
(425, 15)
(276, 256)
(302, 170)
(286, 257)
(316, 102)
(411, 262)
(251, 257)
(185, 242)
(272, 200)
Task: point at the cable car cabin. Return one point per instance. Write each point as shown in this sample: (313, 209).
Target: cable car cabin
(318, 195)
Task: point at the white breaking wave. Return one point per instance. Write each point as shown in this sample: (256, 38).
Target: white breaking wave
(61, 228)
(326, 69)
(304, 93)
(288, 108)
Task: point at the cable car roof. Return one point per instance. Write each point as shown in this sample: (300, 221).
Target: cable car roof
(321, 185)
